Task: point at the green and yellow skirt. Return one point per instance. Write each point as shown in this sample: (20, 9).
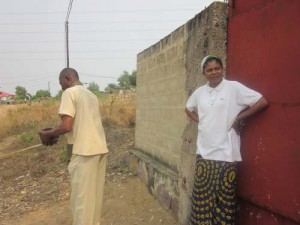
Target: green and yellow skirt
(213, 197)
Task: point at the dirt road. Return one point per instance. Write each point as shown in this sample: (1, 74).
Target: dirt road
(35, 187)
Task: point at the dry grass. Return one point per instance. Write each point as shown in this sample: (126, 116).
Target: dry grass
(26, 120)
(119, 110)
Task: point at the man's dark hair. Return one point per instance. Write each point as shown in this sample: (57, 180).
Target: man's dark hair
(67, 71)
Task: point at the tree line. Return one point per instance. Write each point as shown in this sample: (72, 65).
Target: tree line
(125, 81)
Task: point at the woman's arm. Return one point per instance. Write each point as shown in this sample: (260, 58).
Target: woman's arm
(192, 115)
(258, 106)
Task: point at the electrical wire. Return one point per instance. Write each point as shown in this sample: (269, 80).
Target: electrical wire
(104, 11)
(20, 82)
(73, 51)
(59, 41)
(92, 75)
(7, 76)
(93, 22)
(81, 31)
(54, 59)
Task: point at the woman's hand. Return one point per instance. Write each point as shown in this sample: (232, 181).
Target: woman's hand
(238, 126)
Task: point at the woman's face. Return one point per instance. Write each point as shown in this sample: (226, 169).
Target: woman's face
(214, 73)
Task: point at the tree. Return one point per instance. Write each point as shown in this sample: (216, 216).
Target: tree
(42, 93)
(124, 80)
(132, 78)
(93, 87)
(110, 87)
(59, 94)
(20, 92)
(127, 80)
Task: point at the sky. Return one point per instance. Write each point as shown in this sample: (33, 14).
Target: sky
(104, 38)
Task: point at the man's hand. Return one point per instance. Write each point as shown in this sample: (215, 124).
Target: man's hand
(46, 137)
(50, 135)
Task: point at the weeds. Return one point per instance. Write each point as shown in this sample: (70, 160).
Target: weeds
(118, 110)
(26, 138)
(26, 120)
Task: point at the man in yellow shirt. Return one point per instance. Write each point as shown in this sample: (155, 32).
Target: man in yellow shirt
(81, 120)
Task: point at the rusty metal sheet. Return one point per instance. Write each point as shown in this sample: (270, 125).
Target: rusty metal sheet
(264, 53)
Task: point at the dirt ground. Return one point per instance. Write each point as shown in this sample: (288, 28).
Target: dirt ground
(35, 188)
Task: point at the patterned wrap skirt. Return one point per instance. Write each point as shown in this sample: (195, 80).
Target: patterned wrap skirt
(213, 197)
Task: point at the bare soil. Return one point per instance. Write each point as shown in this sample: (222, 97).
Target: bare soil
(35, 188)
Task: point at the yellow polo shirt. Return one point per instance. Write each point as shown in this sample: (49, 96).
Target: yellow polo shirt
(87, 135)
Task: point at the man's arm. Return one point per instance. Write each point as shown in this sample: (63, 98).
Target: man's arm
(192, 115)
(65, 127)
(258, 106)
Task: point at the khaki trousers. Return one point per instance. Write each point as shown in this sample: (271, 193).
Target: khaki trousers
(87, 182)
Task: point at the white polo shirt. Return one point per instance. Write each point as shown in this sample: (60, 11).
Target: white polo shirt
(217, 109)
(87, 135)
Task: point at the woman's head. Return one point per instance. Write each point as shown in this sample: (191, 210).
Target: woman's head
(208, 59)
(212, 69)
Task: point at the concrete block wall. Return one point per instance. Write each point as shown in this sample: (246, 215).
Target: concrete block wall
(160, 98)
(161, 181)
(167, 73)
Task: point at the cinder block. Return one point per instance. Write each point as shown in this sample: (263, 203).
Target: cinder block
(168, 72)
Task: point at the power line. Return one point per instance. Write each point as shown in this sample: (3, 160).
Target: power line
(19, 82)
(92, 75)
(33, 32)
(55, 59)
(58, 41)
(82, 31)
(104, 11)
(7, 76)
(74, 51)
(93, 22)
(38, 84)
(82, 74)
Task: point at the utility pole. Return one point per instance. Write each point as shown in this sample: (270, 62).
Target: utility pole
(49, 87)
(67, 42)
(67, 31)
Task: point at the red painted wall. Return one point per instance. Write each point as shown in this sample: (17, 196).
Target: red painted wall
(264, 54)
